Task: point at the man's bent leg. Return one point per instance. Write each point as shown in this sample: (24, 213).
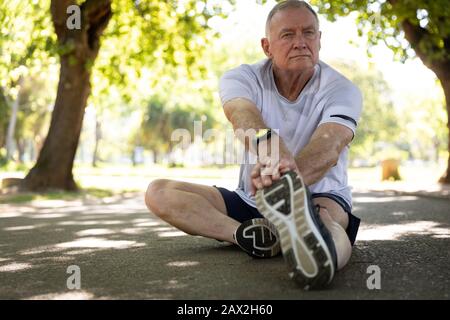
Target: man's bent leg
(193, 208)
(336, 221)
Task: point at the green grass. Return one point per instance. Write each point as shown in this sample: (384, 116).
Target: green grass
(106, 181)
(55, 195)
(13, 166)
(155, 171)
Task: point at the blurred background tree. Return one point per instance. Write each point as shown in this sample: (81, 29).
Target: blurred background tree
(26, 47)
(425, 25)
(155, 33)
(379, 121)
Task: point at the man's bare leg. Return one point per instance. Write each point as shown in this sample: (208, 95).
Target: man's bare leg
(336, 221)
(193, 208)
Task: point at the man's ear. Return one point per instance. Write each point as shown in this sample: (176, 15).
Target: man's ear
(265, 45)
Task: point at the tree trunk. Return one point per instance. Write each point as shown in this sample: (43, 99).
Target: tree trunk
(155, 156)
(53, 169)
(446, 86)
(98, 136)
(21, 144)
(12, 123)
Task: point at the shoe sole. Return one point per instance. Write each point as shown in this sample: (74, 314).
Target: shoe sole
(253, 236)
(304, 249)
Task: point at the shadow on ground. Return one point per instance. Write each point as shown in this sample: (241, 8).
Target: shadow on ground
(126, 253)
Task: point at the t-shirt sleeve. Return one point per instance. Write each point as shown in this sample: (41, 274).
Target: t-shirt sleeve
(238, 83)
(344, 107)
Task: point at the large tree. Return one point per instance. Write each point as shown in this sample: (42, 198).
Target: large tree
(424, 24)
(145, 33)
(53, 168)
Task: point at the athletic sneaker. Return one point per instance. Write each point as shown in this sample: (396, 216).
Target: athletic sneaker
(307, 246)
(258, 237)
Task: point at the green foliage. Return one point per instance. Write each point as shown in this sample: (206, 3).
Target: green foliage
(148, 40)
(33, 114)
(381, 20)
(408, 28)
(424, 126)
(146, 48)
(27, 47)
(27, 40)
(418, 131)
(379, 124)
(159, 122)
(180, 101)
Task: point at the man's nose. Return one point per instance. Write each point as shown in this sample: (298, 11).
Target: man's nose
(300, 41)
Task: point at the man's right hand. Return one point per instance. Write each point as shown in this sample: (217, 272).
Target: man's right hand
(265, 172)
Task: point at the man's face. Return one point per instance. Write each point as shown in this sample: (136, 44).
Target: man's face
(293, 41)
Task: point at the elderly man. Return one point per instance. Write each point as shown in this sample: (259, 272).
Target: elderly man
(304, 115)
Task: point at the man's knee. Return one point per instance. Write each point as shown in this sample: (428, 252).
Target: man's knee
(325, 215)
(330, 209)
(155, 194)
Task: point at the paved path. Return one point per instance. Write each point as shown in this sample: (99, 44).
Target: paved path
(126, 253)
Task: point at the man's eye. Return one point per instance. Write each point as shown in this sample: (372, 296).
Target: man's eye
(311, 34)
(287, 35)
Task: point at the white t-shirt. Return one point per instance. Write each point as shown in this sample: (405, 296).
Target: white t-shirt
(327, 97)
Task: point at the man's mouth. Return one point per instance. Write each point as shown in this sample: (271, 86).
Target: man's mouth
(301, 56)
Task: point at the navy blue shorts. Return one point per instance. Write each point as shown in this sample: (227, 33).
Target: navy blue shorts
(239, 210)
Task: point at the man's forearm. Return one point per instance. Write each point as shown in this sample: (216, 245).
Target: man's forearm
(246, 124)
(323, 150)
(246, 120)
(316, 159)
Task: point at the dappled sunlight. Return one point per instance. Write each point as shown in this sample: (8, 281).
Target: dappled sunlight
(10, 215)
(148, 224)
(400, 214)
(14, 209)
(106, 211)
(183, 263)
(85, 216)
(141, 220)
(12, 267)
(70, 209)
(80, 252)
(40, 250)
(100, 243)
(89, 223)
(21, 228)
(163, 229)
(150, 256)
(169, 234)
(71, 295)
(397, 231)
(94, 232)
(174, 284)
(134, 231)
(51, 211)
(48, 216)
(379, 199)
(53, 259)
(55, 203)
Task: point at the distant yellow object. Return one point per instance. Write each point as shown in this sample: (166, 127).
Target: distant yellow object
(390, 169)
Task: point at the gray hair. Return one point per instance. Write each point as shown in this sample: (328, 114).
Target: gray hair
(286, 5)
